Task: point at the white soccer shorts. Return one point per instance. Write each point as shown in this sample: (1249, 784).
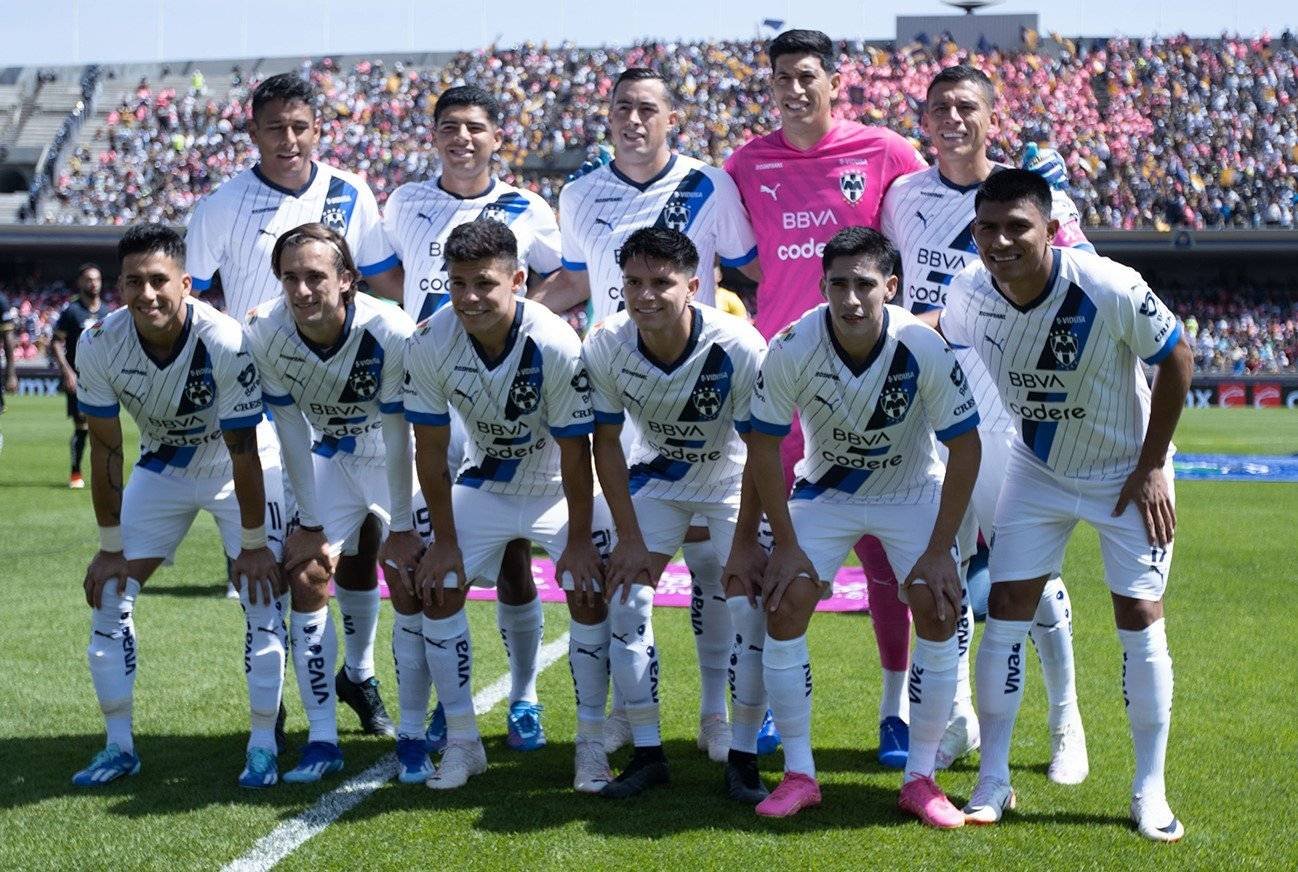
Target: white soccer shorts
(663, 523)
(349, 489)
(981, 515)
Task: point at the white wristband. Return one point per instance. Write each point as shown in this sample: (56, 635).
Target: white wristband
(252, 538)
(110, 539)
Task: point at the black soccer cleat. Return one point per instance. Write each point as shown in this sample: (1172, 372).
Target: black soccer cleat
(364, 699)
(743, 780)
(281, 738)
(648, 767)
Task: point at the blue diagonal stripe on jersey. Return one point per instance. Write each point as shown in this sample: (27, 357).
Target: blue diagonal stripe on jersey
(711, 387)
(366, 376)
(964, 240)
(658, 469)
(511, 204)
(840, 478)
(686, 202)
(685, 443)
(166, 455)
(491, 469)
(432, 302)
(1076, 316)
(339, 203)
(529, 375)
(903, 377)
(940, 277)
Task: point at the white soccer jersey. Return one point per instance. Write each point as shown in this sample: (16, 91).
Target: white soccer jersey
(868, 430)
(233, 230)
(599, 210)
(513, 408)
(1066, 365)
(688, 414)
(930, 220)
(343, 390)
(180, 405)
(420, 215)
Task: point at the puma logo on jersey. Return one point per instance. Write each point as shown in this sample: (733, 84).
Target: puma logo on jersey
(606, 223)
(773, 190)
(922, 219)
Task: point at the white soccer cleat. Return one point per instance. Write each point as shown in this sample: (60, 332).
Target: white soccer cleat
(590, 767)
(1154, 819)
(617, 730)
(991, 797)
(1069, 763)
(714, 737)
(962, 737)
(461, 762)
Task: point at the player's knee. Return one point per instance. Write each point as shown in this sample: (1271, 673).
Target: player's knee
(585, 613)
(403, 602)
(793, 613)
(734, 588)
(309, 588)
(1136, 614)
(1014, 600)
(923, 607)
(452, 602)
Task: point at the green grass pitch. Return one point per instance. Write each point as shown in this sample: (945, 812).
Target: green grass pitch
(1231, 770)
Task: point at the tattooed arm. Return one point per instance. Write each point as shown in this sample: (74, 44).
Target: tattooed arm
(106, 469)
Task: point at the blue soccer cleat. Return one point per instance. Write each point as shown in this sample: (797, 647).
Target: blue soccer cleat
(435, 735)
(768, 738)
(261, 770)
(318, 760)
(524, 722)
(108, 765)
(412, 756)
(894, 742)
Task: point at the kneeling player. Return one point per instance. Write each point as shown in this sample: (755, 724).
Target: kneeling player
(336, 359)
(512, 371)
(181, 370)
(685, 375)
(873, 386)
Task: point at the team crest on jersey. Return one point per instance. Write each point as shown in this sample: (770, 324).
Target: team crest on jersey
(363, 384)
(524, 396)
(958, 379)
(895, 403)
(581, 381)
(494, 212)
(852, 185)
(1149, 306)
(707, 402)
(677, 215)
(198, 391)
(1063, 345)
(334, 218)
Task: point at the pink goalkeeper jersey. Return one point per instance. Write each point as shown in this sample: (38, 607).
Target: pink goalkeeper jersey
(798, 199)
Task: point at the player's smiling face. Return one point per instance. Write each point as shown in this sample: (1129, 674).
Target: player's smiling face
(956, 119)
(466, 138)
(483, 293)
(640, 120)
(315, 290)
(285, 133)
(804, 91)
(154, 287)
(657, 294)
(856, 290)
(1013, 241)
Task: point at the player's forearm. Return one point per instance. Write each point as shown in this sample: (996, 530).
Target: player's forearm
(59, 349)
(295, 447)
(249, 487)
(767, 475)
(106, 472)
(11, 357)
(578, 485)
(396, 441)
(964, 453)
(389, 285)
(750, 507)
(431, 445)
(610, 466)
(1167, 398)
(752, 270)
(561, 290)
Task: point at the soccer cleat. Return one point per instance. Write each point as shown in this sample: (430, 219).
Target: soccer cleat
(590, 767)
(524, 723)
(990, 798)
(317, 760)
(435, 735)
(743, 779)
(415, 767)
(796, 792)
(1069, 763)
(962, 737)
(108, 765)
(714, 737)
(281, 737)
(76, 482)
(1154, 820)
(648, 767)
(926, 801)
(617, 730)
(463, 759)
(364, 699)
(768, 738)
(261, 770)
(894, 742)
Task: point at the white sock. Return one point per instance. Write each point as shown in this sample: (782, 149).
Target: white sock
(521, 628)
(634, 662)
(360, 611)
(964, 630)
(264, 649)
(450, 662)
(711, 622)
(999, 673)
(1052, 634)
(747, 684)
(112, 659)
(1147, 689)
(933, 667)
(893, 702)
(315, 653)
(787, 667)
(413, 679)
(588, 662)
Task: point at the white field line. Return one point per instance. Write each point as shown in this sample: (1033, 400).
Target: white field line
(294, 832)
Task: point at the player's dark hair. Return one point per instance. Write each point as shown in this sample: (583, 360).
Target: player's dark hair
(1011, 185)
(287, 87)
(964, 73)
(150, 238)
(862, 242)
(87, 267)
(327, 236)
(483, 239)
(661, 243)
(644, 74)
(802, 42)
(467, 95)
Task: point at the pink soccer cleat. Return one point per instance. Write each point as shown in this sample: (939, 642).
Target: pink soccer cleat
(796, 792)
(926, 801)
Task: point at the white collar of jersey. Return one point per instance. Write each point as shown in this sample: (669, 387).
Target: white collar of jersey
(1045, 292)
(491, 186)
(857, 369)
(261, 177)
(642, 186)
(163, 363)
(696, 328)
(509, 340)
(323, 352)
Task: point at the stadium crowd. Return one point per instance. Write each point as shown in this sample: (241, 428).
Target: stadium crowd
(1161, 133)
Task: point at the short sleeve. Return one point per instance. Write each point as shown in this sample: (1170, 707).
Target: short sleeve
(545, 253)
(238, 387)
(392, 220)
(567, 391)
(203, 245)
(572, 253)
(948, 397)
(423, 393)
(95, 396)
(392, 378)
(954, 320)
(605, 395)
(775, 392)
(374, 254)
(748, 364)
(902, 160)
(63, 325)
(736, 244)
(1145, 323)
(273, 390)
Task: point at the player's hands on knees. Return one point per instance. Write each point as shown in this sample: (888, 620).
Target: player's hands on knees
(938, 570)
(1147, 488)
(786, 565)
(257, 568)
(629, 564)
(399, 555)
(581, 560)
(303, 546)
(745, 569)
(106, 566)
(441, 559)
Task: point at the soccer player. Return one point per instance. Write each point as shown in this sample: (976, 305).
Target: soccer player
(874, 386)
(929, 216)
(332, 362)
(512, 370)
(418, 218)
(684, 375)
(11, 362)
(183, 373)
(233, 230)
(85, 309)
(1063, 332)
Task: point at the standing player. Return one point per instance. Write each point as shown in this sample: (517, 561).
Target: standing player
(233, 231)
(332, 361)
(929, 216)
(7, 343)
(1061, 332)
(874, 386)
(418, 219)
(512, 370)
(182, 371)
(684, 374)
(77, 315)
